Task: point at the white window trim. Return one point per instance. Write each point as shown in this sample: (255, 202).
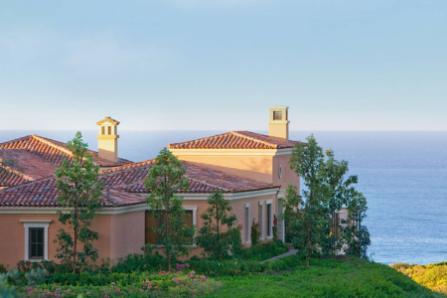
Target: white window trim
(36, 224)
(194, 213)
(269, 202)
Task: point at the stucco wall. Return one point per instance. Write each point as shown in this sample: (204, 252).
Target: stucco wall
(126, 234)
(12, 233)
(288, 176)
(256, 167)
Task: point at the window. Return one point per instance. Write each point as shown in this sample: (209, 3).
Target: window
(103, 130)
(279, 172)
(109, 130)
(151, 222)
(269, 220)
(36, 240)
(247, 223)
(36, 243)
(277, 115)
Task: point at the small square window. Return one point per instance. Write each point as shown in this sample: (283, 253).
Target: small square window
(277, 115)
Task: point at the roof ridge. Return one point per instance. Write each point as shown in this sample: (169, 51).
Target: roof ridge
(14, 171)
(240, 133)
(199, 139)
(50, 143)
(28, 183)
(16, 139)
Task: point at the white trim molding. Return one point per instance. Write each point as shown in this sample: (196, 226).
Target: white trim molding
(27, 224)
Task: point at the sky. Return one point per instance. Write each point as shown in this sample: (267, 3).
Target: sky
(220, 64)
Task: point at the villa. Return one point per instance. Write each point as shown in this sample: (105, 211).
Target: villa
(251, 169)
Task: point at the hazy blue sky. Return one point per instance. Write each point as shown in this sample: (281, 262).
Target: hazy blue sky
(219, 64)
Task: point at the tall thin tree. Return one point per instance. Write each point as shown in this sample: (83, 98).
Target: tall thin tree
(79, 192)
(165, 179)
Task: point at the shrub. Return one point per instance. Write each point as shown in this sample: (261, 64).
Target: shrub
(255, 233)
(141, 262)
(264, 251)
(3, 269)
(6, 289)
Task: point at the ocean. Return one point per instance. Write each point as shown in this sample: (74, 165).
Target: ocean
(402, 174)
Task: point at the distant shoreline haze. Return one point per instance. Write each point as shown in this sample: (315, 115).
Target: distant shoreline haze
(403, 175)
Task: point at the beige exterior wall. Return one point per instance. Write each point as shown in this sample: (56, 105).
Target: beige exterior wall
(117, 235)
(124, 233)
(264, 168)
(256, 167)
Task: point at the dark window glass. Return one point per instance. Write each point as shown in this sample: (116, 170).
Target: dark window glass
(36, 243)
(103, 130)
(269, 220)
(109, 130)
(277, 115)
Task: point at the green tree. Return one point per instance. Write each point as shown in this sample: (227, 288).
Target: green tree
(308, 221)
(79, 193)
(166, 177)
(215, 236)
(312, 218)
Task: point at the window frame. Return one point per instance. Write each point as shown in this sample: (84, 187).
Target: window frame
(36, 224)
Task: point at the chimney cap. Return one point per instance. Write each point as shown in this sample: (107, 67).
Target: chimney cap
(109, 120)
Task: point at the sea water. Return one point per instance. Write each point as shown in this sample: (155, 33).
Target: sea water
(402, 174)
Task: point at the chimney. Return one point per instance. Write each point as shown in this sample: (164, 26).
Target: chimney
(279, 122)
(108, 139)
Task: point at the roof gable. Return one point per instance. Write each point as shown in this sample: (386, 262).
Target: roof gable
(236, 140)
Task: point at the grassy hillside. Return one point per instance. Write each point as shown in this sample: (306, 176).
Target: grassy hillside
(326, 278)
(433, 276)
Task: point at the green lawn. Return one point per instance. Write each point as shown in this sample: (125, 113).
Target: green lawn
(325, 278)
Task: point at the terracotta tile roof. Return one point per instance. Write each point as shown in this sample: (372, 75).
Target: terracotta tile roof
(10, 177)
(124, 185)
(36, 157)
(236, 140)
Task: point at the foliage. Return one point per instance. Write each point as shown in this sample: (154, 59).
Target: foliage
(141, 262)
(311, 217)
(79, 190)
(249, 260)
(263, 251)
(6, 289)
(3, 268)
(432, 276)
(166, 177)
(143, 284)
(343, 278)
(255, 233)
(215, 235)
